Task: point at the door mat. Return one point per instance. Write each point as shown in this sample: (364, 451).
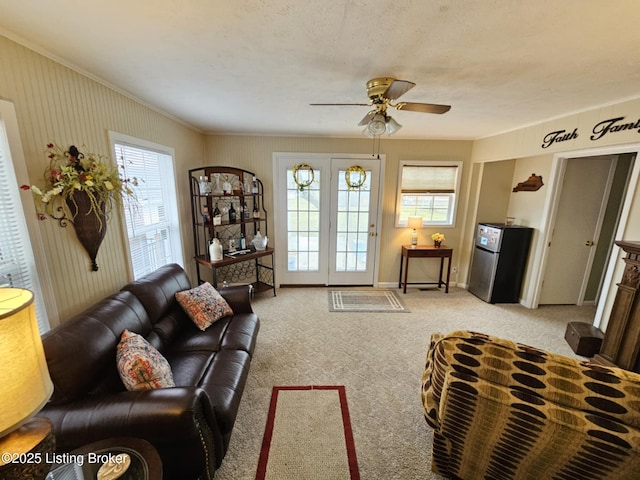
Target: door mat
(308, 436)
(365, 301)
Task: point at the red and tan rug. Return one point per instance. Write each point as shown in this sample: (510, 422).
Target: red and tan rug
(308, 436)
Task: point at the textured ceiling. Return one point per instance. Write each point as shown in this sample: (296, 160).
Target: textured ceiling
(253, 66)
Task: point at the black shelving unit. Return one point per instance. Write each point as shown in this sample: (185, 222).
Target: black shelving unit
(254, 265)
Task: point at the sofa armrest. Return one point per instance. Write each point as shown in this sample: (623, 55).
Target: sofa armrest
(238, 297)
(178, 421)
(165, 412)
(432, 385)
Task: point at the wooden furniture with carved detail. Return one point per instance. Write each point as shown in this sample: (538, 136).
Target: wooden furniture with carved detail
(621, 344)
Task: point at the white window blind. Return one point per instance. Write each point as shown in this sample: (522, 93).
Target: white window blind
(427, 190)
(429, 179)
(17, 263)
(152, 218)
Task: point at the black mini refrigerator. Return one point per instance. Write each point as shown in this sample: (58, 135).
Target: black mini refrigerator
(499, 262)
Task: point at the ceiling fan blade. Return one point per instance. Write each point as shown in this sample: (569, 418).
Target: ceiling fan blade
(367, 118)
(398, 88)
(340, 104)
(423, 107)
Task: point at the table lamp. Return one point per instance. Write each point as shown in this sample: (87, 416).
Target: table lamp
(25, 389)
(414, 223)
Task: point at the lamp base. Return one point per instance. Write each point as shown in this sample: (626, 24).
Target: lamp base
(27, 450)
(414, 238)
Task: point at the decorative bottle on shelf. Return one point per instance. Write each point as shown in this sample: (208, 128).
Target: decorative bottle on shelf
(227, 188)
(256, 211)
(217, 189)
(217, 215)
(232, 214)
(215, 250)
(254, 186)
(243, 241)
(245, 211)
(205, 214)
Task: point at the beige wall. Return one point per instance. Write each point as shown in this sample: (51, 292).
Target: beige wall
(526, 146)
(55, 104)
(254, 153)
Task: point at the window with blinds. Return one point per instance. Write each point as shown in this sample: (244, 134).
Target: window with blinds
(17, 262)
(152, 218)
(427, 190)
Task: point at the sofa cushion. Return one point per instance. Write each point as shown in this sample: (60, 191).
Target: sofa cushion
(221, 374)
(204, 305)
(156, 290)
(91, 336)
(141, 366)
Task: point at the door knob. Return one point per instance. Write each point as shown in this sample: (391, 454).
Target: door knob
(589, 243)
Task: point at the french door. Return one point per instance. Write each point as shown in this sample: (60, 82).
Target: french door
(327, 230)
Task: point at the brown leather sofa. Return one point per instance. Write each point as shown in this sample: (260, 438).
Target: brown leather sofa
(190, 424)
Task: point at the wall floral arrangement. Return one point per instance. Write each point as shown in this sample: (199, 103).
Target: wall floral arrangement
(82, 190)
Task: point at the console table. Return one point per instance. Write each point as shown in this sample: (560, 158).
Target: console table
(425, 251)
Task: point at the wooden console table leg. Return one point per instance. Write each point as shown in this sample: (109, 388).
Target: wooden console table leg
(406, 272)
(446, 290)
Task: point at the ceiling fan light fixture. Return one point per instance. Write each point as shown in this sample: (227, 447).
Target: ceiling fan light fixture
(392, 126)
(367, 133)
(377, 125)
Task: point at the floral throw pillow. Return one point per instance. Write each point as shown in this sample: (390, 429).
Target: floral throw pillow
(204, 305)
(140, 365)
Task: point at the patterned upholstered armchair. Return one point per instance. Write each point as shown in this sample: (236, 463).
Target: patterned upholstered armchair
(501, 410)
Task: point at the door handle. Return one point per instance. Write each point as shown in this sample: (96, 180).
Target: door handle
(588, 243)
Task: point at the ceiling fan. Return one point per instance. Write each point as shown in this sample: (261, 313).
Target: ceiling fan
(382, 92)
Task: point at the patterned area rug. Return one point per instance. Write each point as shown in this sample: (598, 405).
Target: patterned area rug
(308, 436)
(365, 301)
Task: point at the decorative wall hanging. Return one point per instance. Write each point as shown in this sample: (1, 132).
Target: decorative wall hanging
(355, 176)
(533, 183)
(307, 177)
(81, 190)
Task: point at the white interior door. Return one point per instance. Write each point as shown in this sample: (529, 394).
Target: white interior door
(326, 231)
(576, 228)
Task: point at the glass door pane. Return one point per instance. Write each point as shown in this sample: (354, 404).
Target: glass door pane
(303, 224)
(352, 226)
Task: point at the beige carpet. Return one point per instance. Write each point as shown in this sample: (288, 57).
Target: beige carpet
(308, 436)
(379, 358)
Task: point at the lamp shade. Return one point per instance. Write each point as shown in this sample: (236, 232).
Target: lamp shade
(25, 385)
(377, 125)
(414, 222)
(392, 126)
